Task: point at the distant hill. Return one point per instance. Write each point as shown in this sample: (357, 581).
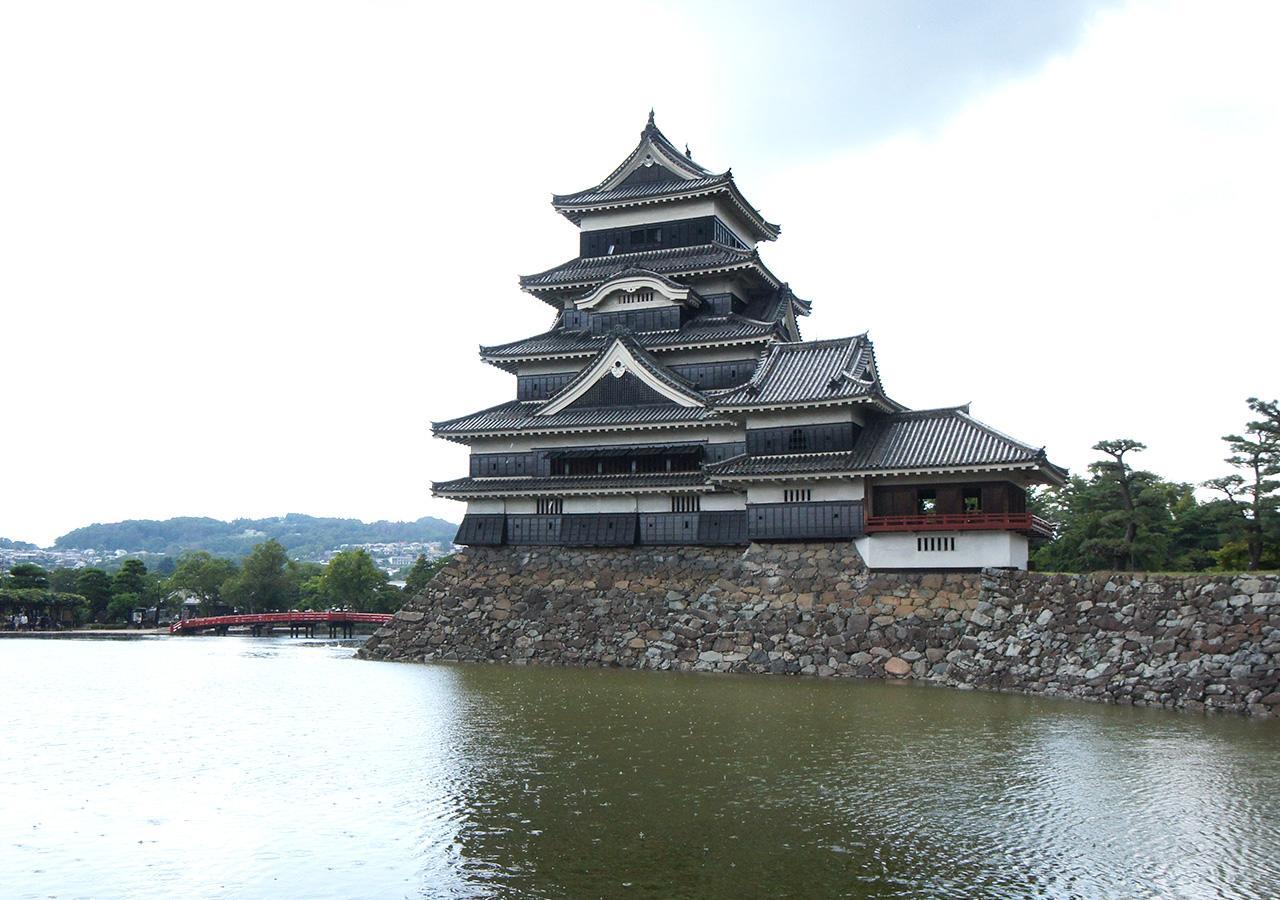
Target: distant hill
(6, 544)
(302, 536)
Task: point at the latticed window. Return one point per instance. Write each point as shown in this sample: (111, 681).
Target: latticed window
(799, 441)
(686, 504)
(797, 495)
(550, 506)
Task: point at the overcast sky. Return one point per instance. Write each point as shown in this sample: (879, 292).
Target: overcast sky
(248, 250)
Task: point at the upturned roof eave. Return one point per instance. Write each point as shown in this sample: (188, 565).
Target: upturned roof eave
(882, 402)
(872, 472)
(468, 435)
(573, 209)
(749, 259)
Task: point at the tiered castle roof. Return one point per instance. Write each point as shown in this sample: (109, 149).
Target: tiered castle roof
(626, 321)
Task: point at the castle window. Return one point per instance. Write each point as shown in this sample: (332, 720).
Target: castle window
(797, 495)
(935, 544)
(973, 500)
(926, 501)
(799, 441)
(686, 504)
(550, 506)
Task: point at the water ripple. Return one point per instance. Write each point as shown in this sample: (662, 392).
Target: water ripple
(265, 767)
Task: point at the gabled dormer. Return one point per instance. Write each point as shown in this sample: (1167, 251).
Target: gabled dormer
(637, 289)
(623, 374)
(655, 160)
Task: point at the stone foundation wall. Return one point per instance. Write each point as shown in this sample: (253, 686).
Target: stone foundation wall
(1202, 642)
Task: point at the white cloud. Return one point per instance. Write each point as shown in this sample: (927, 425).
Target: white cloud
(1085, 254)
(250, 249)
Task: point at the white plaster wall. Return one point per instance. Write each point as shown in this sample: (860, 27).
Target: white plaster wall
(614, 303)
(626, 504)
(974, 549)
(522, 505)
(642, 215)
(721, 502)
(666, 212)
(488, 507)
(835, 489)
(822, 415)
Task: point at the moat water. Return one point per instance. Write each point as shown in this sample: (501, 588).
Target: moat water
(238, 767)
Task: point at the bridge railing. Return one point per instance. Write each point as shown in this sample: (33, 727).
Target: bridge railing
(297, 617)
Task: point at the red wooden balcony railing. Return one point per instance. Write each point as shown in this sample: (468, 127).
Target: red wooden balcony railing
(962, 522)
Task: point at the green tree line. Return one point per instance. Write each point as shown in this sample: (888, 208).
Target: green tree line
(301, 535)
(1124, 518)
(267, 580)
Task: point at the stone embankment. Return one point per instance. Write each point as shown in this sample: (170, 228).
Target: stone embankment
(1194, 642)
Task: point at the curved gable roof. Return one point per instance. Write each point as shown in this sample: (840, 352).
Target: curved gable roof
(680, 177)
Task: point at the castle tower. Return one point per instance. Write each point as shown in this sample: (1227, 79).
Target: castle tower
(673, 402)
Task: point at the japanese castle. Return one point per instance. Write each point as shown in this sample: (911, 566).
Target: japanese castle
(674, 402)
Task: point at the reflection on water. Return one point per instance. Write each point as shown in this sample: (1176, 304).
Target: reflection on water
(234, 767)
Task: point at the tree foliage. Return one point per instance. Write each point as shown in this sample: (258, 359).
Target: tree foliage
(266, 582)
(203, 575)
(352, 581)
(1125, 518)
(95, 586)
(27, 575)
(422, 572)
(1251, 492)
(131, 579)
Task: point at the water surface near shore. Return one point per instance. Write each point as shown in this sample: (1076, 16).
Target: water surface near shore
(268, 767)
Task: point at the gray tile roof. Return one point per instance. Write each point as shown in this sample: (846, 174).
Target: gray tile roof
(904, 441)
(700, 330)
(804, 372)
(520, 416)
(554, 484)
(691, 179)
(584, 271)
(652, 135)
(593, 196)
(938, 437)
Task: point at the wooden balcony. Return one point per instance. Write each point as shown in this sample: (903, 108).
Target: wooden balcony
(1023, 522)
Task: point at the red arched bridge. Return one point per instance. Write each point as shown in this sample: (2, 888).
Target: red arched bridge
(300, 624)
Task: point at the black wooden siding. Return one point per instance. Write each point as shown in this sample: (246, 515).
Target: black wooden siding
(533, 529)
(541, 387)
(509, 465)
(722, 304)
(727, 527)
(707, 376)
(654, 318)
(804, 521)
(481, 530)
(573, 529)
(657, 235)
(801, 439)
(723, 527)
(669, 528)
(537, 464)
(625, 391)
(720, 452)
(833, 520)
